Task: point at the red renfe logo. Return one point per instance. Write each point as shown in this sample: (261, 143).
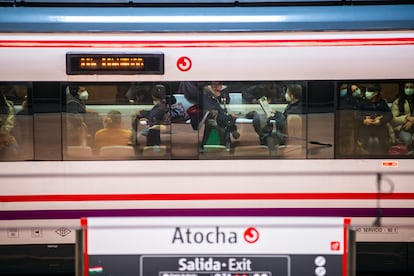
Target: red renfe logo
(335, 246)
(251, 235)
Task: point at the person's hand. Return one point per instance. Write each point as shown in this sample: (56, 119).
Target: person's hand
(377, 121)
(368, 121)
(407, 125)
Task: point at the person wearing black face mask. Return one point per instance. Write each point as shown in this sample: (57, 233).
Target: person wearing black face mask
(373, 115)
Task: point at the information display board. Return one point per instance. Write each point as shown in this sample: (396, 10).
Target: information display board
(216, 246)
(114, 63)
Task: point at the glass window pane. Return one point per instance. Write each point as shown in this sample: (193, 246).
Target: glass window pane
(16, 122)
(370, 123)
(253, 120)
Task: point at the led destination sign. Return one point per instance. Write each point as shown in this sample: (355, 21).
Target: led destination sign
(114, 63)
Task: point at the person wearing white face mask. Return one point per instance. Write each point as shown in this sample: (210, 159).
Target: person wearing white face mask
(75, 99)
(87, 122)
(76, 130)
(403, 111)
(373, 114)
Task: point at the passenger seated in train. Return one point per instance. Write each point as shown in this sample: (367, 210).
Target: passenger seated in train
(156, 117)
(218, 123)
(113, 133)
(372, 115)
(349, 96)
(272, 127)
(403, 112)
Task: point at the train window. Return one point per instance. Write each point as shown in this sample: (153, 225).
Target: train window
(370, 121)
(206, 120)
(184, 120)
(16, 122)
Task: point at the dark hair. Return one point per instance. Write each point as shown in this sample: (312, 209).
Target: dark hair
(115, 117)
(73, 89)
(374, 87)
(402, 97)
(158, 91)
(295, 90)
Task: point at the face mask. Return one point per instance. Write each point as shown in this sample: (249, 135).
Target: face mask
(343, 92)
(369, 95)
(287, 97)
(409, 91)
(84, 95)
(357, 93)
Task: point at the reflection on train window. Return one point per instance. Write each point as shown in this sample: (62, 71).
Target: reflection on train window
(373, 118)
(206, 120)
(16, 122)
(184, 120)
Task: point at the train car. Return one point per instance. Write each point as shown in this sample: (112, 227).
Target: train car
(293, 81)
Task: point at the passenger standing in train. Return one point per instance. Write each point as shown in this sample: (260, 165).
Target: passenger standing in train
(217, 117)
(23, 128)
(373, 114)
(76, 130)
(275, 126)
(75, 99)
(113, 133)
(84, 121)
(156, 117)
(403, 111)
(8, 144)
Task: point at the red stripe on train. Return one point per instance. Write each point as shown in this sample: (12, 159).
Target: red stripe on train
(213, 196)
(208, 43)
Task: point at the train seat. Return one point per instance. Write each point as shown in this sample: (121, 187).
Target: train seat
(78, 152)
(116, 152)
